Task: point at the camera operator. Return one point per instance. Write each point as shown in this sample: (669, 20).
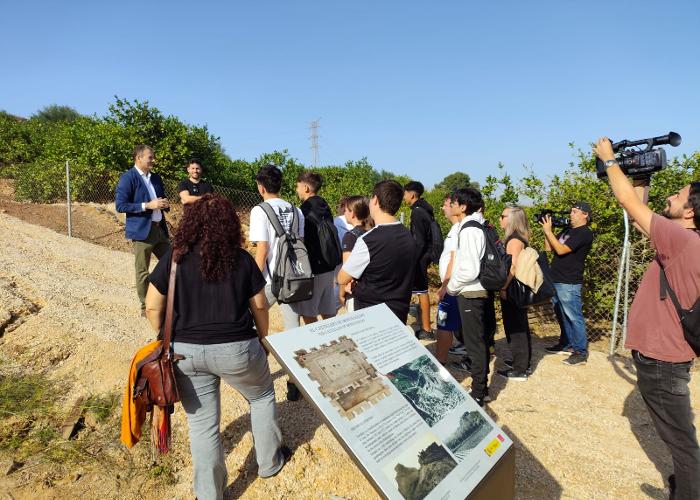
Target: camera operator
(661, 354)
(570, 249)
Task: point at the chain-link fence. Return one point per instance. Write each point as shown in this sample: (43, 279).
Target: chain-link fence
(46, 185)
(601, 295)
(73, 187)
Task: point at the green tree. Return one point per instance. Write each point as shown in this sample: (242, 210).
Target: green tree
(99, 149)
(56, 113)
(498, 192)
(456, 180)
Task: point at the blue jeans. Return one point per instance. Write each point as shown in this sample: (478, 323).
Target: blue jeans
(242, 365)
(664, 388)
(569, 310)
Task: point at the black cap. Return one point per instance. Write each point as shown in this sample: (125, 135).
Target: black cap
(584, 207)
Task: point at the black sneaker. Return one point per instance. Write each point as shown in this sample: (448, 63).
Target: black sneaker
(576, 359)
(463, 365)
(511, 374)
(480, 400)
(558, 349)
(293, 393)
(509, 365)
(424, 335)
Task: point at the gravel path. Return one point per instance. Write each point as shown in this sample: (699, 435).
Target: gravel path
(70, 306)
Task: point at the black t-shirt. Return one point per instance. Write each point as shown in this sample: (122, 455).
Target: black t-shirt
(210, 313)
(569, 268)
(195, 188)
(351, 236)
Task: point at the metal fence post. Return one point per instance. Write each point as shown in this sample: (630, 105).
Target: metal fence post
(618, 290)
(70, 221)
(627, 292)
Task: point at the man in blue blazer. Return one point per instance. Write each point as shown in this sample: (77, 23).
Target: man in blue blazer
(141, 196)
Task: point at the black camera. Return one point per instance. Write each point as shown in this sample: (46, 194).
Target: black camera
(559, 219)
(640, 163)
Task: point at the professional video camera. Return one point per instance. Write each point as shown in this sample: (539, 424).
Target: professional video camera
(640, 163)
(559, 219)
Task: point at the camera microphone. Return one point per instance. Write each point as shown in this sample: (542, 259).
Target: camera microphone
(671, 138)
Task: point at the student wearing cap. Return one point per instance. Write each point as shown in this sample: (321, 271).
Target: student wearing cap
(570, 249)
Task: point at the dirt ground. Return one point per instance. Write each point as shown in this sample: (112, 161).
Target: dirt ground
(90, 221)
(71, 311)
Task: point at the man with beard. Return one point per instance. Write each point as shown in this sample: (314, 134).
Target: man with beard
(193, 187)
(660, 349)
(570, 249)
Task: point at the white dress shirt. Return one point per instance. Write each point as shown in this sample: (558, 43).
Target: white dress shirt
(156, 215)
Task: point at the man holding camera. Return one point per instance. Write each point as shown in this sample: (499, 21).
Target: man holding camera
(570, 249)
(661, 353)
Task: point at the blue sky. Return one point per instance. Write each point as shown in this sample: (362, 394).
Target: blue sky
(419, 88)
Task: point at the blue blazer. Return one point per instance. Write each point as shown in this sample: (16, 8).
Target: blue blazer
(131, 193)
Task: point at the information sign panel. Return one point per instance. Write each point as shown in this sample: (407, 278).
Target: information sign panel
(409, 425)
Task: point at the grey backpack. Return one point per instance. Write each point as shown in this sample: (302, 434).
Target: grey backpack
(292, 280)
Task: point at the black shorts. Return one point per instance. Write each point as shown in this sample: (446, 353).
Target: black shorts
(420, 275)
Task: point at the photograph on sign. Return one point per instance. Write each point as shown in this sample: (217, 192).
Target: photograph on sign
(420, 467)
(462, 431)
(421, 384)
(411, 428)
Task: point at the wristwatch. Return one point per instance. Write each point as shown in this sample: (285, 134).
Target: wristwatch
(610, 163)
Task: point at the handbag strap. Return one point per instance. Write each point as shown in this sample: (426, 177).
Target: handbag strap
(167, 334)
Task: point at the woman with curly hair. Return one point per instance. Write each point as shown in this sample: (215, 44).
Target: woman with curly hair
(220, 317)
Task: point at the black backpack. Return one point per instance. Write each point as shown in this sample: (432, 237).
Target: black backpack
(330, 253)
(436, 242)
(494, 265)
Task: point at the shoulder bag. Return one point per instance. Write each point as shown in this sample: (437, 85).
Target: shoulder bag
(521, 295)
(155, 377)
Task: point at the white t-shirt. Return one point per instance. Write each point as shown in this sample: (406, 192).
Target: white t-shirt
(261, 228)
(449, 246)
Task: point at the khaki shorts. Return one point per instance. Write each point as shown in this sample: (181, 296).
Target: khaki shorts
(323, 300)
